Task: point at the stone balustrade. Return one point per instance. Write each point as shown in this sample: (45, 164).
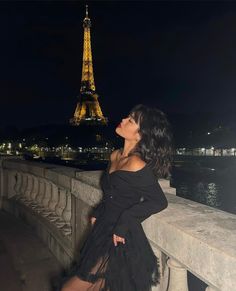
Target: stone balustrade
(186, 236)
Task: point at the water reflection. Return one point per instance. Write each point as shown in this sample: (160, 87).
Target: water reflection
(215, 189)
(213, 196)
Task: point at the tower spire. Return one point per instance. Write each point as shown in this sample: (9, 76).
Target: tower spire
(88, 109)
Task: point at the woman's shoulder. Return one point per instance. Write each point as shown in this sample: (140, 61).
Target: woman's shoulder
(135, 163)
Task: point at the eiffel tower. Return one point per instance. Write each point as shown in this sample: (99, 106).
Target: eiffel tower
(88, 110)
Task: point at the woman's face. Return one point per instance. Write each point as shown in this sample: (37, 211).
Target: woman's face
(128, 129)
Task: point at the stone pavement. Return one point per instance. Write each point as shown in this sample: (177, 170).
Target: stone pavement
(26, 264)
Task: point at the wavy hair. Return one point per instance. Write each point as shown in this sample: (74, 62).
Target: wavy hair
(155, 146)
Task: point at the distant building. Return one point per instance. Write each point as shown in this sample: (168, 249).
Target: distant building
(88, 110)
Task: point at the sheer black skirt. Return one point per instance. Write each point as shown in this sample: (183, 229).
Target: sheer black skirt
(127, 267)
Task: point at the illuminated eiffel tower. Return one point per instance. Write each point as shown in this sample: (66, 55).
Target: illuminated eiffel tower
(88, 109)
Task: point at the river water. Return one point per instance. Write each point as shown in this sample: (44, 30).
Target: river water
(210, 182)
(207, 181)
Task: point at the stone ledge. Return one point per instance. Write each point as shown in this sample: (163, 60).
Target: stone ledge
(91, 178)
(60, 175)
(66, 176)
(201, 238)
(87, 193)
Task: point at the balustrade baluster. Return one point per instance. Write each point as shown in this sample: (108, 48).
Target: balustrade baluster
(40, 196)
(24, 187)
(66, 214)
(60, 207)
(35, 192)
(11, 183)
(29, 189)
(53, 203)
(17, 187)
(47, 199)
(178, 276)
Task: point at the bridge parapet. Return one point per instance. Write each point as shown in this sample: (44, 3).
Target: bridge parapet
(56, 202)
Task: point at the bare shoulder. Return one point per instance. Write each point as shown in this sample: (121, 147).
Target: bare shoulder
(135, 163)
(114, 155)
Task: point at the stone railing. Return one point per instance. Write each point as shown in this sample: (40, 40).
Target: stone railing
(186, 236)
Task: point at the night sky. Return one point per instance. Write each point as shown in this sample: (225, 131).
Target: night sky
(177, 56)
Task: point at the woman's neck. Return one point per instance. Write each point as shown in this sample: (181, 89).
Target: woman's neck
(128, 147)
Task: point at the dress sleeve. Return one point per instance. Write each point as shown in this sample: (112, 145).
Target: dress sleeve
(154, 201)
(98, 210)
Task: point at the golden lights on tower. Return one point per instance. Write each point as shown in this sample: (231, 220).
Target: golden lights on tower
(88, 109)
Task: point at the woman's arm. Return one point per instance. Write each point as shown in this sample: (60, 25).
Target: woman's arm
(98, 210)
(154, 202)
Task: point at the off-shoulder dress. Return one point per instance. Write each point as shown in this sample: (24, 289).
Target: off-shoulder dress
(128, 199)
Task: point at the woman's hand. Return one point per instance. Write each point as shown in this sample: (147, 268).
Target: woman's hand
(93, 220)
(117, 239)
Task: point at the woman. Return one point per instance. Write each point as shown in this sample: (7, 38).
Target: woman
(117, 255)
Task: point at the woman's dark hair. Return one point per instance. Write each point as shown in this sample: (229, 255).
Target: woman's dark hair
(155, 146)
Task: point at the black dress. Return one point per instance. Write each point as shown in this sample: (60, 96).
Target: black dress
(129, 198)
